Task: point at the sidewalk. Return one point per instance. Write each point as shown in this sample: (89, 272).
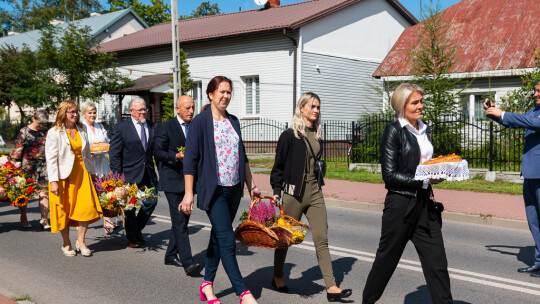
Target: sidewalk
(502, 210)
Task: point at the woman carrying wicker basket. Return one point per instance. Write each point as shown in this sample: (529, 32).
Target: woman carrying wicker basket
(215, 156)
(408, 212)
(294, 174)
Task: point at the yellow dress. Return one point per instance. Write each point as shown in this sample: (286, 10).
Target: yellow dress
(77, 199)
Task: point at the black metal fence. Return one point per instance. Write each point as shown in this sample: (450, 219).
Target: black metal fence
(484, 144)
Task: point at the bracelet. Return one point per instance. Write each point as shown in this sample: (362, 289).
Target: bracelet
(253, 188)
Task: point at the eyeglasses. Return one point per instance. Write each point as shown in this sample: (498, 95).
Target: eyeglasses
(72, 112)
(42, 123)
(140, 110)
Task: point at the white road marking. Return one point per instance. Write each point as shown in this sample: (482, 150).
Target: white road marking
(458, 274)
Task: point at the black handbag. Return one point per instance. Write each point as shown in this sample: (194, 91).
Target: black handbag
(438, 207)
(319, 166)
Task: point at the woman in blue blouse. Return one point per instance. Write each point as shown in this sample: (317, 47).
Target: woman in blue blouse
(216, 158)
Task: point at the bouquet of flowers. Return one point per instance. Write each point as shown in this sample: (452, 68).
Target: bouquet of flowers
(15, 186)
(262, 227)
(116, 195)
(181, 149)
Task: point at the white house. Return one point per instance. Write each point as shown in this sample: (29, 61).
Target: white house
(330, 47)
(103, 27)
(496, 41)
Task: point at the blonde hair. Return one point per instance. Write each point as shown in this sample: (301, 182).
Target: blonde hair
(401, 96)
(61, 113)
(298, 124)
(88, 106)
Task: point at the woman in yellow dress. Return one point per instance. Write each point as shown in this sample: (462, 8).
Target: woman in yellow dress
(73, 198)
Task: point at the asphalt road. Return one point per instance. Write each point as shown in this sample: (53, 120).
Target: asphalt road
(483, 262)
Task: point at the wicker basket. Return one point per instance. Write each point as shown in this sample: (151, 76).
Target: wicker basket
(255, 234)
(112, 212)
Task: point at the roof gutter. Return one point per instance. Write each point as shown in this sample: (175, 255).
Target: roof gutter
(295, 54)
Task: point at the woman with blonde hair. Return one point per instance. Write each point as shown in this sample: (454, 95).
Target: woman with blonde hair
(73, 198)
(294, 173)
(409, 213)
(96, 134)
(29, 155)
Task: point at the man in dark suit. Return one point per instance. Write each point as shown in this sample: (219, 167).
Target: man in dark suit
(131, 152)
(530, 166)
(171, 135)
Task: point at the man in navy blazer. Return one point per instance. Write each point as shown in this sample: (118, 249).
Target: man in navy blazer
(131, 152)
(530, 166)
(171, 135)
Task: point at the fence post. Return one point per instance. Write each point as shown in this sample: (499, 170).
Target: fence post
(491, 146)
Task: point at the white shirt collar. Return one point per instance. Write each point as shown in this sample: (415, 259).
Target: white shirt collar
(136, 122)
(180, 120)
(421, 125)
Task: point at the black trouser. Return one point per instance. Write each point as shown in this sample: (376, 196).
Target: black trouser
(135, 224)
(179, 239)
(395, 233)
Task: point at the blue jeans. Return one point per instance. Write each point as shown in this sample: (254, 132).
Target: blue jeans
(531, 195)
(222, 245)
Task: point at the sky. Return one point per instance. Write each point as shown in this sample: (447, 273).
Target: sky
(229, 6)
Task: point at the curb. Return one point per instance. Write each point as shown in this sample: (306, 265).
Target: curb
(6, 295)
(448, 216)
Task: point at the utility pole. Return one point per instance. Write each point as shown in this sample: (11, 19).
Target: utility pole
(177, 73)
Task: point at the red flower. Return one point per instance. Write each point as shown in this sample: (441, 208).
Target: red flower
(30, 180)
(132, 201)
(113, 198)
(30, 190)
(109, 189)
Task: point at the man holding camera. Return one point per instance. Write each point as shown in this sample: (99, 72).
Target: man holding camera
(530, 166)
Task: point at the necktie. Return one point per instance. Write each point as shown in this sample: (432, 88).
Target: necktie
(143, 136)
(185, 128)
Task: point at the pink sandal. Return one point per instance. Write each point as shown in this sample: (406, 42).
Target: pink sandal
(243, 294)
(203, 296)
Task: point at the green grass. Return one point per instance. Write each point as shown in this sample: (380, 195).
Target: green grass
(23, 298)
(339, 170)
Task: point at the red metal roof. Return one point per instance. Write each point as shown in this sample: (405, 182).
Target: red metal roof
(291, 16)
(491, 34)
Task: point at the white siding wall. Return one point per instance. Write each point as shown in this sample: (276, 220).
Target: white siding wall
(125, 26)
(345, 86)
(269, 56)
(364, 31)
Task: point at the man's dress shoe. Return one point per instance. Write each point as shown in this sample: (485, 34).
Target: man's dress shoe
(190, 269)
(140, 239)
(173, 261)
(283, 289)
(332, 297)
(532, 268)
(535, 274)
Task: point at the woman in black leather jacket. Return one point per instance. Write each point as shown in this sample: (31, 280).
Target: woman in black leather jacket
(408, 212)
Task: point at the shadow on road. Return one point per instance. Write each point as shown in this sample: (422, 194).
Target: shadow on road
(524, 254)
(303, 286)
(421, 295)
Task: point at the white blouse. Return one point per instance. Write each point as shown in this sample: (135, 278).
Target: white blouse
(426, 148)
(101, 164)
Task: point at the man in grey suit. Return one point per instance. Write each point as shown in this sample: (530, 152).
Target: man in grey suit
(530, 166)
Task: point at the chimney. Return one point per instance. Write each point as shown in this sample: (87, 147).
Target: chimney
(56, 21)
(272, 3)
(92, 14)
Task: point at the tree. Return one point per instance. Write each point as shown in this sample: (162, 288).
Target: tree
(22, 81)
(79, 69)
(27, 15)
(433, 58)
(167, 104)
(205, 9)
(155, 13)
(521, 100)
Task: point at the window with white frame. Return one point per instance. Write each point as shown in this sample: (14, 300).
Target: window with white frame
(473, 106)
(196, 94)
(252, 101)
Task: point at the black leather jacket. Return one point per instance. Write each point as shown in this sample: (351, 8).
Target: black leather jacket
(400, 155)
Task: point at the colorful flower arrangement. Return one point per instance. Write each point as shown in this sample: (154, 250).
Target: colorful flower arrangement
(15, 186)
(284, 227)
(114, 193)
